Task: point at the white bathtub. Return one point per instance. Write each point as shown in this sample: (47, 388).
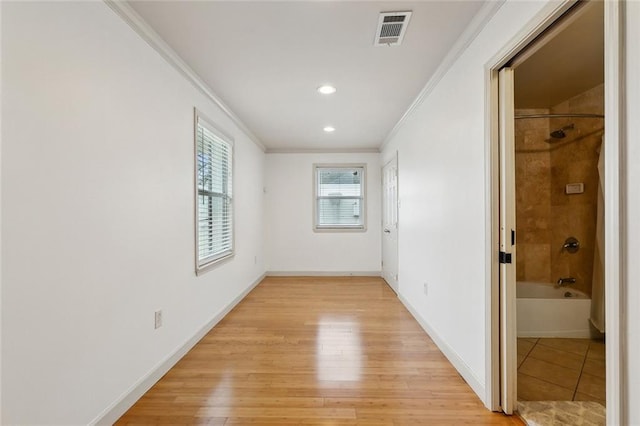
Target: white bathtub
(546, 311)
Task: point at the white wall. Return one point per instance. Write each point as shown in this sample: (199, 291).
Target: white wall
(631, 199)
(291, 244)
(97, 214)
(442, 189)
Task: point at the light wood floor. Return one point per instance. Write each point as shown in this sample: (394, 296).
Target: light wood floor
(315, 351)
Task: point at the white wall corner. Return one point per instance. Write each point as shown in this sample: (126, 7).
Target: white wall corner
(112, 413)
(458, 363)
(148, 34)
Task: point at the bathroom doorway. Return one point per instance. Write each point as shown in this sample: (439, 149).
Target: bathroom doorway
(550, 98)
(559, 190)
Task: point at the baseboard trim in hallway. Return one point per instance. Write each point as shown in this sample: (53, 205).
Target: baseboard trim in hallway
(324, 273)
(133, 394)
(448, 351)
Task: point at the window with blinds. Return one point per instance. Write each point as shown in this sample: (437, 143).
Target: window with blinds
(214, 210)
(339, 197)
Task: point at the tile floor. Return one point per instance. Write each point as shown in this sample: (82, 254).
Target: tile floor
(561, 370)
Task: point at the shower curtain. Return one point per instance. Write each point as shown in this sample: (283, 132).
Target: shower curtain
(597, 286)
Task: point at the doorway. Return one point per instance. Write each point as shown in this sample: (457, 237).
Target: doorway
(549, 116)
(390, 223)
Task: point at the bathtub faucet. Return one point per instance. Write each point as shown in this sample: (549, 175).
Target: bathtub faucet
(562, 282)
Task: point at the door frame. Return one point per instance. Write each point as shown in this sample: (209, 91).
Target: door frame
(614, 224)
(507, 226)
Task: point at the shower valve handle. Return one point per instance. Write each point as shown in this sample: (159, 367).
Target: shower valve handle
(571, 245)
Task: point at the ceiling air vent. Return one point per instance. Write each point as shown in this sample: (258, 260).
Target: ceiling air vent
(391, 28)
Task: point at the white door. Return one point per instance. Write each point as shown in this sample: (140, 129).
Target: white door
(508, 342)
(390, 223)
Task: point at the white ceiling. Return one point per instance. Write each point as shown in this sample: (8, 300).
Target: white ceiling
(265, 60)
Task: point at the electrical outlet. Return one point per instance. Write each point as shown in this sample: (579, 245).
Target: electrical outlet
(255, 260)
(158, 318)
(426, 288)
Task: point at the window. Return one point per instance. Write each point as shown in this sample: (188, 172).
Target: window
(339, 197)
(214, 195)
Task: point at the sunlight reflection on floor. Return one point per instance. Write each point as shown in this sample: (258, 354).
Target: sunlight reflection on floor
(338, 349)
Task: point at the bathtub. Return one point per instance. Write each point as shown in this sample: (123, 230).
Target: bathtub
(546, 311)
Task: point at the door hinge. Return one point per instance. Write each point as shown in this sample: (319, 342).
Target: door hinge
(504, 257)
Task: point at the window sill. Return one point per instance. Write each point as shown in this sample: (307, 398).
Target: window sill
(206, 267)
(338, 229)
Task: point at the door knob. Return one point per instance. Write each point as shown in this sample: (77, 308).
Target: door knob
(387, 231)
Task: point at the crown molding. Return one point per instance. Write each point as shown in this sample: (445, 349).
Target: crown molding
(476, 25)
(148, 34)
(322, 151)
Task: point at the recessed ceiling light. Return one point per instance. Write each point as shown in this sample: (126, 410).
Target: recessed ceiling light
(329, 129)
(327, 89)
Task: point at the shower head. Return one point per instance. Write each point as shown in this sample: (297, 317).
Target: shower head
(560, 133)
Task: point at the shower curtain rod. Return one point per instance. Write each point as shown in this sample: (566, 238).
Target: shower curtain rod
(559, 116)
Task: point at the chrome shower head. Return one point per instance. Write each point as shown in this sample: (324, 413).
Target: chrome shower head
(560, 133)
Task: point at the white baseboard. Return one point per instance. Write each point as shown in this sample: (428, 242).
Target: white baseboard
(448, 351)
(112, 413)
(323, 273)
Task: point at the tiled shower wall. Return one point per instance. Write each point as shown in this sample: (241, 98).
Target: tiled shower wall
(545, 214)
(533, 198)
(576, 160)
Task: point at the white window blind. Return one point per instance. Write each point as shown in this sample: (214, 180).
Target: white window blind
(214, 160)
(339, 197)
